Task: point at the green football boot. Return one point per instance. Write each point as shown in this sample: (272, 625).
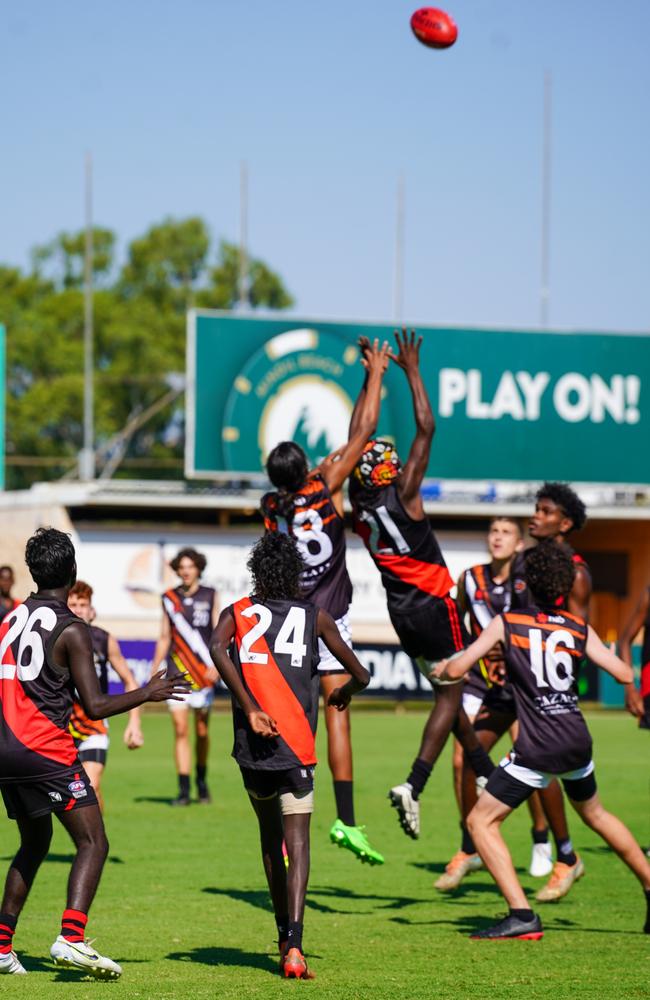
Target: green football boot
(355, 839)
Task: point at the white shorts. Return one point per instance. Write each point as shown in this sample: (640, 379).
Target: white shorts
(201, 699)
(98, 741)
(542, 779)
(328, 663)
(471, 705)
(426, 668)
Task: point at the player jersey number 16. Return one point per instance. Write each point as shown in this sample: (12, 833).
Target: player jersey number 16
(289, 640)
(545, 661)
(29, 664)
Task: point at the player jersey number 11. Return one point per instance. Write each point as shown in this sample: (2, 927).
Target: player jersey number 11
(289, 640)
(31, 643)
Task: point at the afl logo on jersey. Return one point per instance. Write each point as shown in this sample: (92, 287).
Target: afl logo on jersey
(300, 386)
(520, 586)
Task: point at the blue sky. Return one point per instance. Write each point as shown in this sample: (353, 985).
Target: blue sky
(327, 103)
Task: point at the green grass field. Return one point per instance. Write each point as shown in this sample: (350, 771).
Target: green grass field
(183, 904)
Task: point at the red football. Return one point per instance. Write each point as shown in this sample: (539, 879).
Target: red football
(434, 28)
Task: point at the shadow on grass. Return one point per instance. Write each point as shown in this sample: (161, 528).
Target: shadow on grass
(37, 963)
(260, 898)
(233, 957)
(65, 859)
(160, 800)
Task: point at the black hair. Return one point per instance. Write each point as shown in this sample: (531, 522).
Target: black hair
(50, 558)
(549, 571)
(571, 504)
(197, 558)
(275, 564)
(287, 466)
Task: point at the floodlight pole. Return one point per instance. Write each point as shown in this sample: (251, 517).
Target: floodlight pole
(87, 454)
(398, 277)
(243, 238)
(545, 289)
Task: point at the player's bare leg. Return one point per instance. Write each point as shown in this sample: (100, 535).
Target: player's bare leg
(619, 838)
(70, 950)
(35, 837)
(296, 835)
(344, 832)
(95, 770)
(484, 823)
(269, 819)
(568, 866)
(182, 753)
(202, 733)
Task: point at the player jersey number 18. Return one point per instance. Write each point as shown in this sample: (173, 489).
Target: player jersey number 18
(27, 669)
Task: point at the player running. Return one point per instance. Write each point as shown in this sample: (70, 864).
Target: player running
(7, 601)
(190, 613)
(46, 656)
(309, 504)
(91, 735)
(274, 638)
(638, 702)
(543, 644)
(389, 517)
(484, 591)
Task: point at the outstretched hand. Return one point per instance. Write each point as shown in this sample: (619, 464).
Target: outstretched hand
(162, 688)
(374, 357)
(408, 355)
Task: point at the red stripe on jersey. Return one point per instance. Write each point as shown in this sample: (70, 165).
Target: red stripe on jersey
(428, 577)
(456, 631)
(272, 692)
(34, 730)
(645, 680)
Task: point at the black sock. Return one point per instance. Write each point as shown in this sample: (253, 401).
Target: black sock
(480, 762)
(344, 802)
(540, 836)
(201, 772)
(526, 916)
(184, 786)
(565, 852)
(467, 844)
(294, 936)
(646, 929)
(282, 924)
(420, 774)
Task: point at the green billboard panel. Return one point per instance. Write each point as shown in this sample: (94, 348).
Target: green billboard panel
(509, 405)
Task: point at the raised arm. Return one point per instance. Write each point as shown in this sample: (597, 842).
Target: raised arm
(633, 699)
(578, 603)
(260, 722)
(162, 646)
(453, 670)
(607, 660)
(336, 468)
(410, 481)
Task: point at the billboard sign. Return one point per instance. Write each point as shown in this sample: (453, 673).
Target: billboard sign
(509, 405)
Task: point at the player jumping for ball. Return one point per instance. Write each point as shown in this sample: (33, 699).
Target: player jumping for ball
(309, 504)
(543, 645)
(389, 517)
(46, 661)
(272, 672)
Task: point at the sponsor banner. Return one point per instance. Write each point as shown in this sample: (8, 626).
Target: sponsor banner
(510, 405)
(129, 574)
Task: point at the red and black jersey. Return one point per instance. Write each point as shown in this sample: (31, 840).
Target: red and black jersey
(275, 650)
(36, 694)
(405, 551)
(190, 618)
(485, 598)
(543, 649)
(7, 604)
(319, 532)
(81, 727)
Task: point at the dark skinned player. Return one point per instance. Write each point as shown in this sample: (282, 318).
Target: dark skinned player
(266, 648)
(47, 656)
(638, 702)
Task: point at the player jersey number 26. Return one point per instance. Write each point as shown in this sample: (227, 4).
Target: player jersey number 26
(31, 654)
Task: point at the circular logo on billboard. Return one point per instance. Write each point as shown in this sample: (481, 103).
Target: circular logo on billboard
(300, 386)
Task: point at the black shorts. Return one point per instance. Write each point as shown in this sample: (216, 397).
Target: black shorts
(434, 631)
(512, 792)
(267, 784)
(498, 711)
(95, 755)
(66, 790)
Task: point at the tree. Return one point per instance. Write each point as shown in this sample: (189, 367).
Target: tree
(139, 341)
